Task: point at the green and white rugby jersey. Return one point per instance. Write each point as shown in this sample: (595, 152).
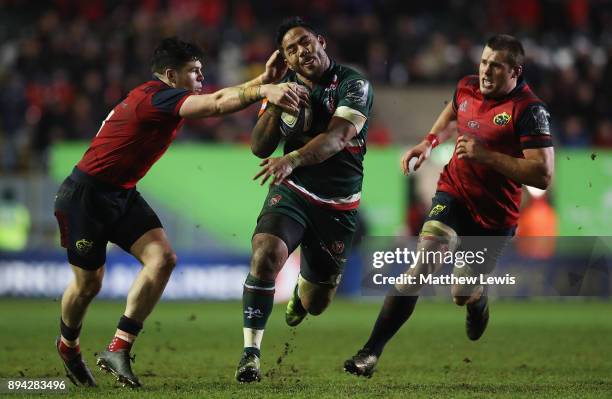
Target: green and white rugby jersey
(336, 182)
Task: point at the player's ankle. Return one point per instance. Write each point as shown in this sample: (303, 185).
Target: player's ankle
(119, 344)
(68, 352)
(250, 350)
(374, 349)
(127, 331)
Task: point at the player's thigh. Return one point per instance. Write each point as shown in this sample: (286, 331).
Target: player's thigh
(279, 230)
(446, 210)
(154, 251)
(83, 215)
(283, 214)
(140, 232)
(276, 236)
(326, 245)
(278, 226)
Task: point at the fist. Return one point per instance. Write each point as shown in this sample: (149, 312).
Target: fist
(469, 148)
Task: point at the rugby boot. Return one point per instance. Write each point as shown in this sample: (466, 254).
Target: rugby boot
(295, 312)
(477, 318)
(248, 368)
(76, 369)
(118, 364)
(362, 364)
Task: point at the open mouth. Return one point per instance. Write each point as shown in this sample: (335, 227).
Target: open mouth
(308, 61)
(487, 83)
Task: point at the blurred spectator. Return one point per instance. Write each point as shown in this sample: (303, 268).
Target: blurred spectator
(574, 133)
(603, 135)
(538, 219)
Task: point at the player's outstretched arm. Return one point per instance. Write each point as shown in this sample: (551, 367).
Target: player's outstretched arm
(439, 133)
(232, 99)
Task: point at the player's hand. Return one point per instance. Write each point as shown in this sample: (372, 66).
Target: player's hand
(277, 167)
(288, 96)
(276, 68)
(469, 148)
(421, 151)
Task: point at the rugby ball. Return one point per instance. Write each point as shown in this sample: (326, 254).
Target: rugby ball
(292, 124)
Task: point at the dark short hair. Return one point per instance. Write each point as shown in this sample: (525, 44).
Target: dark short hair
(514, 48)
(174, 53)
(290, 23)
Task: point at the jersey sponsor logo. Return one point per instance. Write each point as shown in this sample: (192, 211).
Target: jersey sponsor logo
(357, 92)
(542, 120)
(436, 210)
(275, 200)
(502, 119)
(473, 125)
(253, 313)
(83, 246)
(289, 119)
(463, 106)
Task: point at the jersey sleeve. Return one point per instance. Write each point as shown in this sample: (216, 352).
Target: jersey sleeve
(533, 127)
(462, 84)
(455, 102)
(355, 99)
(169, 100)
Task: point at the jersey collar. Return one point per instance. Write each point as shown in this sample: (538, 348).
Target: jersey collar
(328, 75)
(155, 78)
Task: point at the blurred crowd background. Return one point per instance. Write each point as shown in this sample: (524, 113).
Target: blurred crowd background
(64, 64)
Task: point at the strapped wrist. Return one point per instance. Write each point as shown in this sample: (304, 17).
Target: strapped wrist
(433, 140)
(249, 95)
(294, 158)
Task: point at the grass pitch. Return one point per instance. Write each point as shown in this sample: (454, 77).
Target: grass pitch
(531, 349)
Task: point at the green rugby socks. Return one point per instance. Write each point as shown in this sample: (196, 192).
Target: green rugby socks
(257, 303)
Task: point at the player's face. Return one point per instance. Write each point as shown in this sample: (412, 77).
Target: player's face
(497, 77)
(190, 77)
(305, 52)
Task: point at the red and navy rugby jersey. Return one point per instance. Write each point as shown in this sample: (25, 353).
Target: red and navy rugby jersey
(135, 134)
(508, 125)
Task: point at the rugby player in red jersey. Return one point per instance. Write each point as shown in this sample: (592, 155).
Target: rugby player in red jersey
(99, 202)
(504, 142)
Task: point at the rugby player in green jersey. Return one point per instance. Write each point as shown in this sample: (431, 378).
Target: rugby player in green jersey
(315, 190)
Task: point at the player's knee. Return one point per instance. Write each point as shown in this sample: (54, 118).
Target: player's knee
(90, 287)
(168, 260)
(438, 236)
(268, 258)
(315, 307)
(164, 262)
(315, 298)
